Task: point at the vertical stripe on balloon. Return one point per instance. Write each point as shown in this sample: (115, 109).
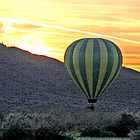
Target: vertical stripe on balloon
(77, 66)
(114, 67)
(96, 63)
(89, 65)
(69, 64)
(103, 66)
(110, 61)
(82, 67)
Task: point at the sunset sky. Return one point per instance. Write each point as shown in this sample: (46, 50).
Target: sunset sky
(47, 27)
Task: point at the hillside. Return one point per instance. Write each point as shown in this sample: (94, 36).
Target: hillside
(39, 82)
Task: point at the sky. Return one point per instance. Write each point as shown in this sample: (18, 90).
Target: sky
(48, 27)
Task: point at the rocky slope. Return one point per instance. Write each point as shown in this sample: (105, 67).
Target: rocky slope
(39, 82)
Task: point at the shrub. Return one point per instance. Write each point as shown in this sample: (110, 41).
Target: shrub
(19, 126)
(1, 117)
(15, 126)
(50, 134)
(96, 132)
(15, 132)
(135, 135)
(123, 126)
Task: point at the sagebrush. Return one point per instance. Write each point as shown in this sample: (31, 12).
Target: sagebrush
(59, 121)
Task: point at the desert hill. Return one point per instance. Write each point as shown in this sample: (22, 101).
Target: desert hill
(40, 82)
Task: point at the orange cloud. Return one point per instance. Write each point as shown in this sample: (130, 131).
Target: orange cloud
(25, 26)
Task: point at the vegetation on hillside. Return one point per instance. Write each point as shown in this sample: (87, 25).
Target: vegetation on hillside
(57, 124)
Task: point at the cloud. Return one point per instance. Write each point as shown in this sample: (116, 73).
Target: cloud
(8, 22)
(25, 26)
(1, 26)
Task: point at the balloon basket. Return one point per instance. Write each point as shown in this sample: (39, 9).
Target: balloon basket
(92, 100)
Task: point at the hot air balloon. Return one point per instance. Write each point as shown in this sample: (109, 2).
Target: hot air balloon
(93, 64)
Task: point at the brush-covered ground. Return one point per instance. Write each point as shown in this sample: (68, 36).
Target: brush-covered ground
(81, 124)
(40, 82)
(36, 92)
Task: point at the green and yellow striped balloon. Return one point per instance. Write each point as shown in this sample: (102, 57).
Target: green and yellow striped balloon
(93, 64)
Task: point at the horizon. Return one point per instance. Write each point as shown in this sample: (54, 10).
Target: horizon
(48, 56)
(48, 28)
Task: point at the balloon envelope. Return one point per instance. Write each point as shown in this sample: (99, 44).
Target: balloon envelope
(93, 64)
